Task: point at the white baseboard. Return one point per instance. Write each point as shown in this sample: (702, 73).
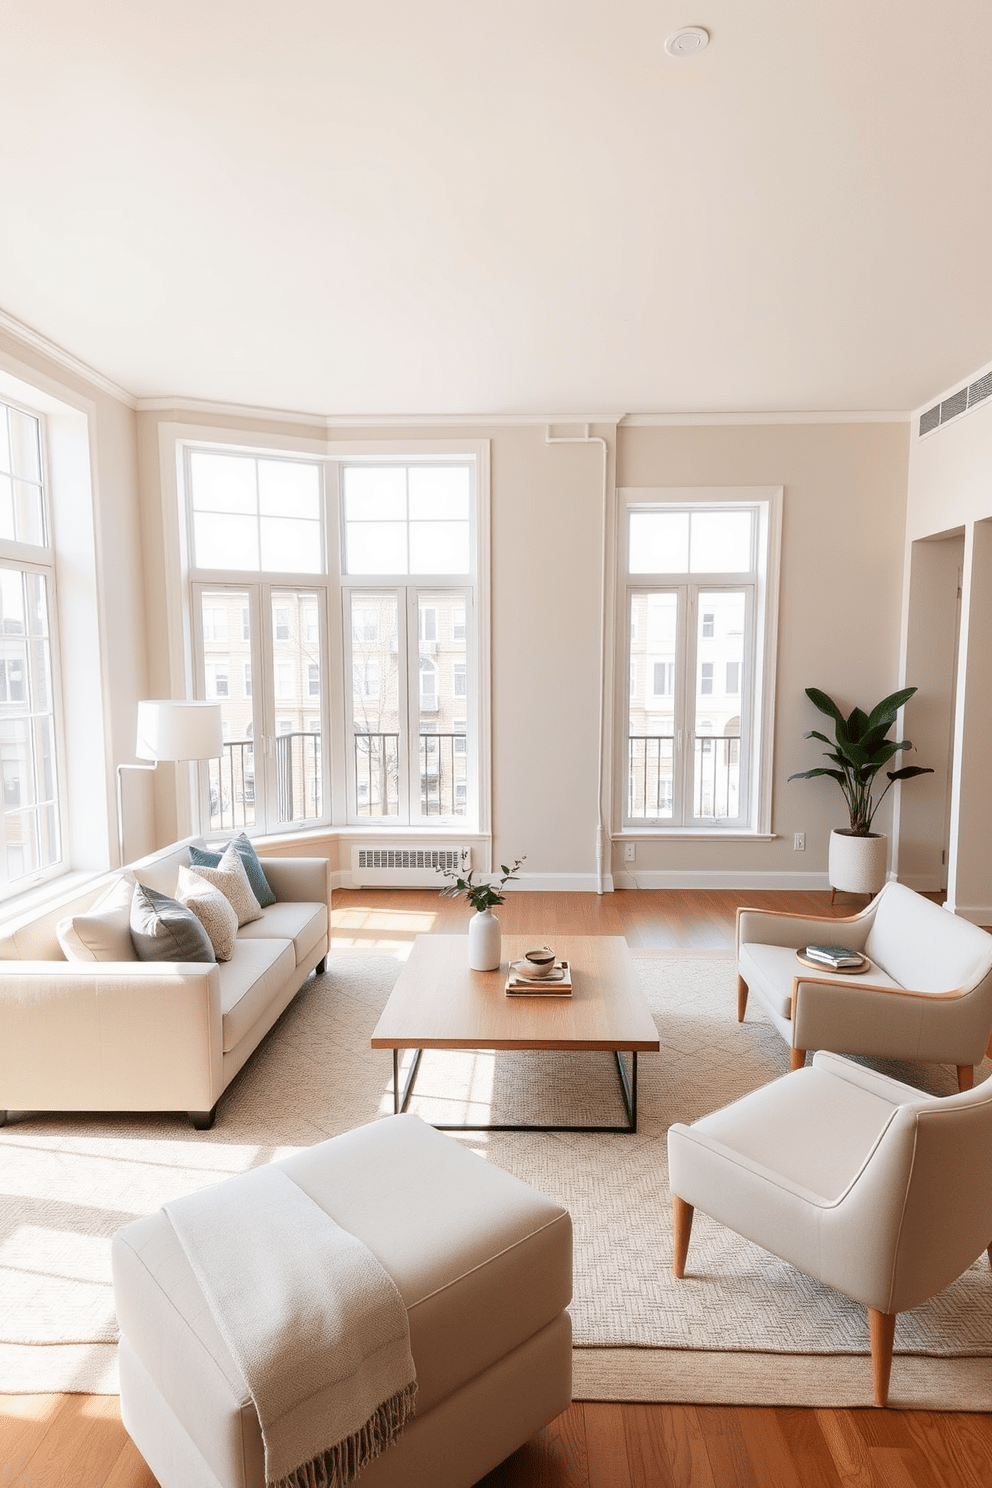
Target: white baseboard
(923, 883)
(978, 914)
(711, 878)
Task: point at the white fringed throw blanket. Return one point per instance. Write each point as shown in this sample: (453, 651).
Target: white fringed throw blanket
(313, 1321)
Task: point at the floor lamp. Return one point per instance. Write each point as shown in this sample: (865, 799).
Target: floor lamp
(169, 730)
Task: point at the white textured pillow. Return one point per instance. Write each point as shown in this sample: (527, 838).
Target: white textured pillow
(104, 932)
(230, 877)
(213, 910)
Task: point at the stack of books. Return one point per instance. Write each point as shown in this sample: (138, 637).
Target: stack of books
(837, 957)
(558, 984)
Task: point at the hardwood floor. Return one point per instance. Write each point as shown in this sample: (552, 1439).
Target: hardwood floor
(77, 1441)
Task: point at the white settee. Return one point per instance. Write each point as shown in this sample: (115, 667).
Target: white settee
(151, 1035)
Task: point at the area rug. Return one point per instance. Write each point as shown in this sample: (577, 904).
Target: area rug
(741, 1328)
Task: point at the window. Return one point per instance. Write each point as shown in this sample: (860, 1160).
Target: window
(699, 591)
(30, 822)
(390, 542)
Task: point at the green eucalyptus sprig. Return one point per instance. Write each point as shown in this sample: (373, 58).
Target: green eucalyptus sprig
(481, 895)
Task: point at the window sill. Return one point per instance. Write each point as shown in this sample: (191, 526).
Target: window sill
(693, 834)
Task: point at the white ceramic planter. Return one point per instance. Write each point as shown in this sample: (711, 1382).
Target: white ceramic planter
(856, 865)
(484, 941)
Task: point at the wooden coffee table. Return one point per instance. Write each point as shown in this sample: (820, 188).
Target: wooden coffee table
(438, 1003)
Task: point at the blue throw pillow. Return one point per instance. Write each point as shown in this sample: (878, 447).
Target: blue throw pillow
(162, 929)
(242, 846)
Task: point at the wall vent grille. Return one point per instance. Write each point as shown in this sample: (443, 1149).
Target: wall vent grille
(404, 867)
(956, 404)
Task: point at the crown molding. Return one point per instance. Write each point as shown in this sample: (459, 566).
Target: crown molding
(11, 326)
(164, 404)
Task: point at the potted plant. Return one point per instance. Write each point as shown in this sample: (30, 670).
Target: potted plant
(858, 751)
(484, 941)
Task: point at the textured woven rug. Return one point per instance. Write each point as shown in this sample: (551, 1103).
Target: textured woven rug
(742, 1327)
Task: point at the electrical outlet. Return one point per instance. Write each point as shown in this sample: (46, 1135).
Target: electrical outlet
(799, 842)
(629, 852)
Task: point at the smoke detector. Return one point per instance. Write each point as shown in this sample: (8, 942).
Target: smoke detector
(687, 41)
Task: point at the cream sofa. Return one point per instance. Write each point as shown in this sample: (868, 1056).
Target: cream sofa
(144, 1035)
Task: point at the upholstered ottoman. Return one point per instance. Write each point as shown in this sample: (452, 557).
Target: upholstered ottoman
(482, 1262)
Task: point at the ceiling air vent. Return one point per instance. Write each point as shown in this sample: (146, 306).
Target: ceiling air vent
(959, 402)
(980, 390)
(930, 419)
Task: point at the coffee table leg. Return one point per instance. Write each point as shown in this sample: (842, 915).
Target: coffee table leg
(400, 1102)
(628, 1088)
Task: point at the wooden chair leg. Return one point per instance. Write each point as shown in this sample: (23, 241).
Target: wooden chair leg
(833, 895)
(881, 1331)
(741, 998)
(966, 1076)
(681, 1230)
(797, 1058)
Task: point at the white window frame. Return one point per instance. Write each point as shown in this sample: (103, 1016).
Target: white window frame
(40, 559)
(757, 718)
(185, 646)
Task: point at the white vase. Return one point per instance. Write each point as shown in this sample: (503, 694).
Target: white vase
(483, 941)
(856, 865)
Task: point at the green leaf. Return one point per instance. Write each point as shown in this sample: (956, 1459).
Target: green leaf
(825, 704)
(820, 770)
(908, 771)
(889, 707)
(856, 725)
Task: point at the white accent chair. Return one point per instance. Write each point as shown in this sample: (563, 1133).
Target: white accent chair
(864, 1183)
(927, 994)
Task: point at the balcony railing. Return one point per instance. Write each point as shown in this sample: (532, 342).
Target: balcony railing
(651, 777)
(299, 785)
(442, 769)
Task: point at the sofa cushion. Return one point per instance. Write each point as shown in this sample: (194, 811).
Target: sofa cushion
(204, 857)
(212, 908)
(303, 924)
(770, 971)
(249, 982)
(230, 877)
(162, 929)
(103, 933)
(924, 945)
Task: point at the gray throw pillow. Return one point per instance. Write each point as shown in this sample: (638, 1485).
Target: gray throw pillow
(162, 929)
(202, 857)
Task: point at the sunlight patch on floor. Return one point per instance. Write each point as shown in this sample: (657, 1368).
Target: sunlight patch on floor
(391, 930)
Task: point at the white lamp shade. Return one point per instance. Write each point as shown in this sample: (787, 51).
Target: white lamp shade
(169, 730)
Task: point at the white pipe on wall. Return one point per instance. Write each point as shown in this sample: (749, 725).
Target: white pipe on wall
(586, 438)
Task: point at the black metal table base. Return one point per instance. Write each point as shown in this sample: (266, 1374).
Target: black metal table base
(628, 1092)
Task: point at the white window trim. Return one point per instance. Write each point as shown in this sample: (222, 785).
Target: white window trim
(173, 437)
(768, 500)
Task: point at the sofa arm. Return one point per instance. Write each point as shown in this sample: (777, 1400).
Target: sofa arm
(768, 927)
(299, 880)
(115, 1036)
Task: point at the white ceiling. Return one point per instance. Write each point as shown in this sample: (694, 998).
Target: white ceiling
(502, 206)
